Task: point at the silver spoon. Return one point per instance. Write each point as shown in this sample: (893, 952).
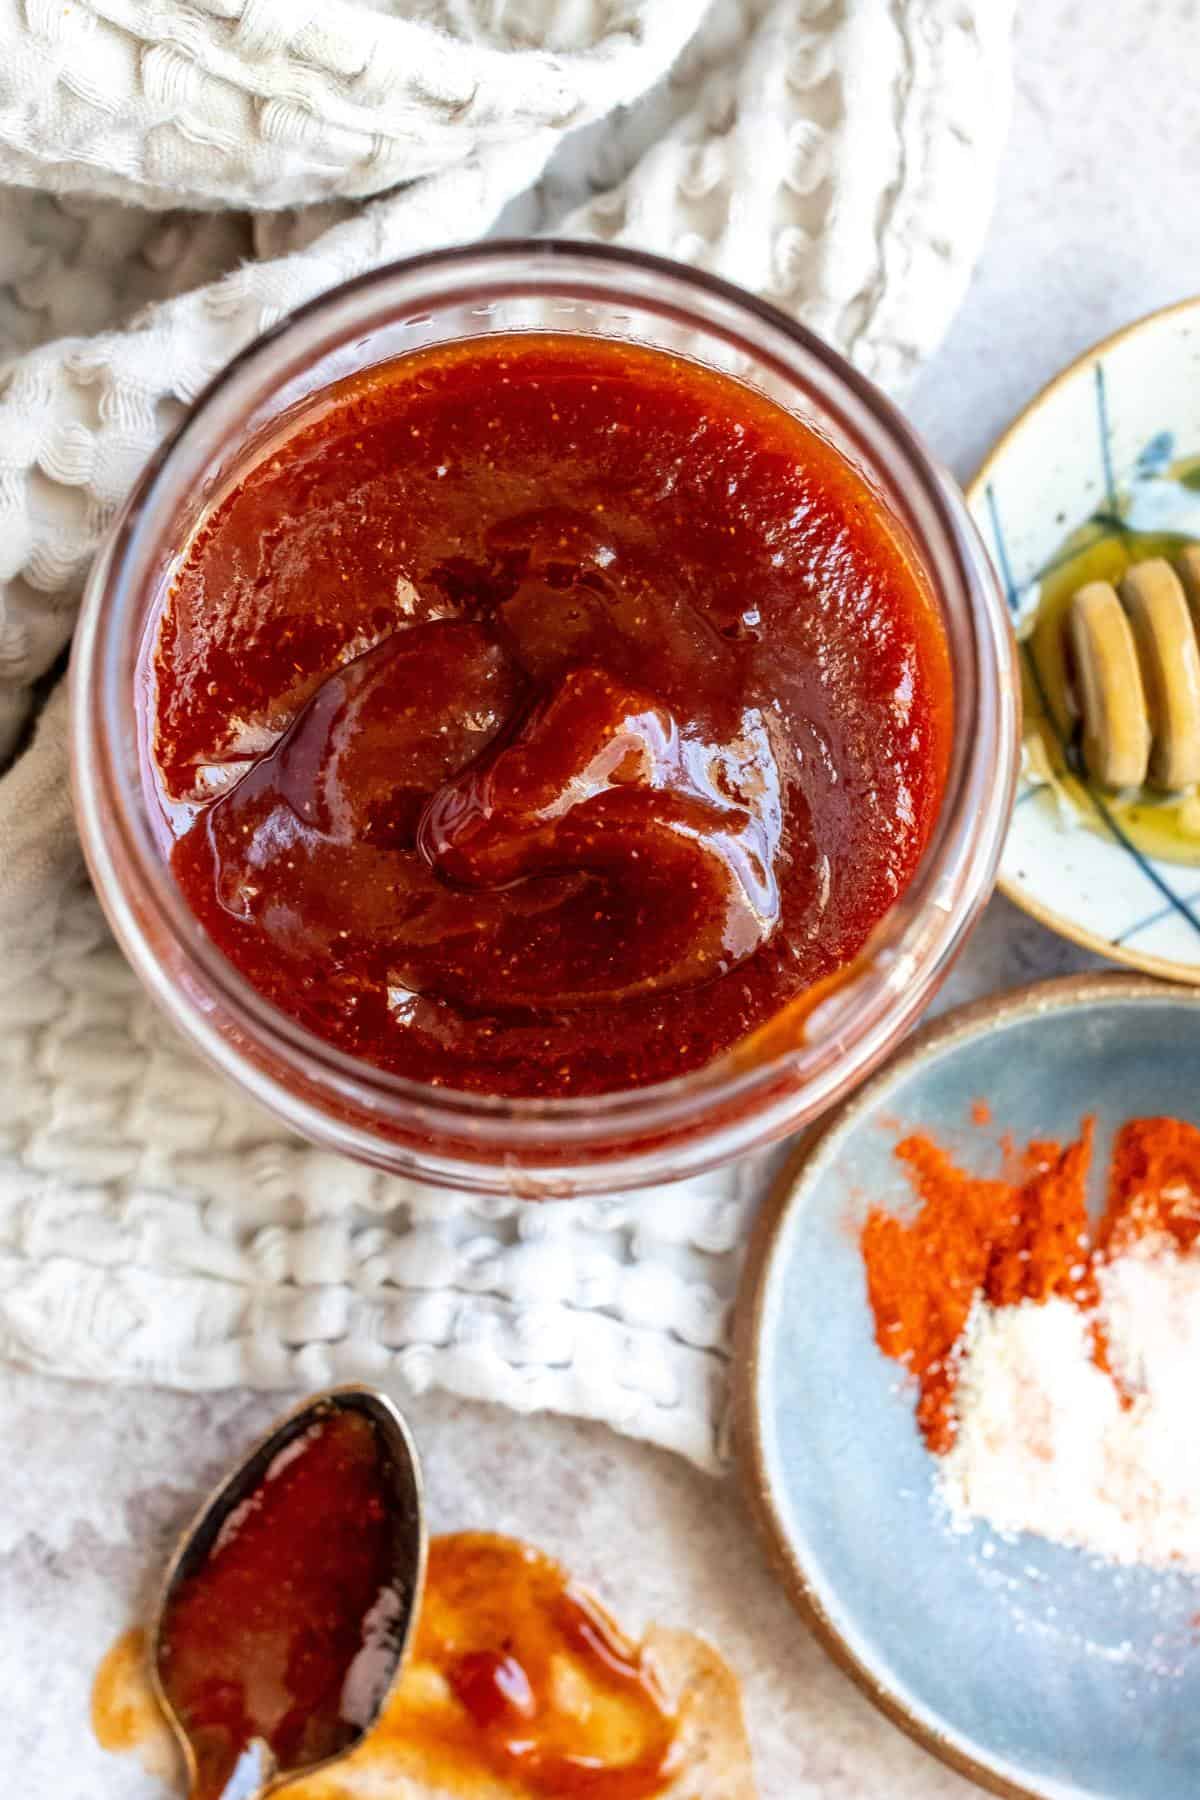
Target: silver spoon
(257, 1771)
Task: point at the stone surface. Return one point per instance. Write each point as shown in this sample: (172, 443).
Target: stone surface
(1093, 227)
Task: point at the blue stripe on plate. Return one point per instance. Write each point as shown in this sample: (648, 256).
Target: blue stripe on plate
(1154, 918)
(1175, 902)
(1006, 575)
(1105, 434)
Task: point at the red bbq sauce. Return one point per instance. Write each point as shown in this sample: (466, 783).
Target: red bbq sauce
(516, 1674)
(519, 1672)
(258, 1641)
(540, 716)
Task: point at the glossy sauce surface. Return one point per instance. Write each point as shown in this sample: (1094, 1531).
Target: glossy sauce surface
(545, 715)
(257, 1643)
(517, 1669)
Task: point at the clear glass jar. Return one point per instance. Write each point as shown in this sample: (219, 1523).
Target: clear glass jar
(558, 1147)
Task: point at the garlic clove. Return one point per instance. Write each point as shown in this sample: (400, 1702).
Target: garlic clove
(1153, 597)
(1108, 679)
(1187, 564)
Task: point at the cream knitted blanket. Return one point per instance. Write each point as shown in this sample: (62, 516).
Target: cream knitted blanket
(836, 156)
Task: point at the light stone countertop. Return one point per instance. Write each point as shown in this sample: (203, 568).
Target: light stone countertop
(1095, 224)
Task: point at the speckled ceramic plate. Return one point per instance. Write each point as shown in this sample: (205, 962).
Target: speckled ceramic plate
(1116, 423)
(1027, 1666)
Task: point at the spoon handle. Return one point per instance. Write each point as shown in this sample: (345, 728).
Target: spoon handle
(249, 1778)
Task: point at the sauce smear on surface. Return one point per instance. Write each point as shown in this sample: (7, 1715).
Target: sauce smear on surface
(545, 715)
(257, 1642)
(517, 1669)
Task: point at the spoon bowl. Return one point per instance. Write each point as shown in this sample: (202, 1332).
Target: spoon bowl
(388, 1626)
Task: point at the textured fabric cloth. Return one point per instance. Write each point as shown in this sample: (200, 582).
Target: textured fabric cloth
(835, 156)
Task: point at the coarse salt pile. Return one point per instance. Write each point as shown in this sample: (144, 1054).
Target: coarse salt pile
(1050, 1442)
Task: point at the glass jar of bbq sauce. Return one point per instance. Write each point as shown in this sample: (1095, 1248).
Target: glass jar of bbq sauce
(512, 870)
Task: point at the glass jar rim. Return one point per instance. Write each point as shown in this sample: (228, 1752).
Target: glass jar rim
(913, 941)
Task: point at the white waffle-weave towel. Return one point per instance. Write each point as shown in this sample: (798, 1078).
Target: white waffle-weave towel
(181, 172)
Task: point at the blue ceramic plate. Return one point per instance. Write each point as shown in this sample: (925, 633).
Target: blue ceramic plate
(1032, 1668)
